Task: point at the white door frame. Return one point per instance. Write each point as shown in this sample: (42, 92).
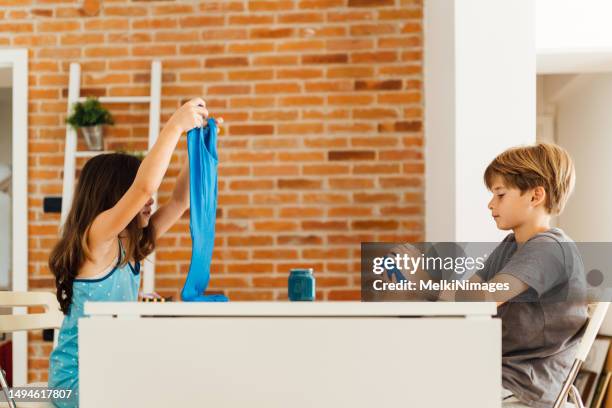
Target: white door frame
(18, 60)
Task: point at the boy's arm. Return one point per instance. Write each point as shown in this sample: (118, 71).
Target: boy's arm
(516, 287)
(169, 213)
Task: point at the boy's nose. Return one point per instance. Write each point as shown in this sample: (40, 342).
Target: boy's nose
(150, 202)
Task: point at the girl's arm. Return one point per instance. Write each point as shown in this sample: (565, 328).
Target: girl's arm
(167, 214)
(108, 224)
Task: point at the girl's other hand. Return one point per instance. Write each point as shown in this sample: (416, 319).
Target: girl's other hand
(191, 114)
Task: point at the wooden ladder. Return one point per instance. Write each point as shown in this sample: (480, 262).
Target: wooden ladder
(71, 153)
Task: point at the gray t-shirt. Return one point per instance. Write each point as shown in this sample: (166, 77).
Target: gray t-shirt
(542, 326)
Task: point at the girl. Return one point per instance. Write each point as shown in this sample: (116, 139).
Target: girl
(109, 230)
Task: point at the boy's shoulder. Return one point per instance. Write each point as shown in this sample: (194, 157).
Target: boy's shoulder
(552, 235)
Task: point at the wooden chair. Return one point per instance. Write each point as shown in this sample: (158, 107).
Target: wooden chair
(51, 319)
(569, 389)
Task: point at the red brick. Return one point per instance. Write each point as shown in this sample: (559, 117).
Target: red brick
(274, 198)
(400, 97)
(400, 211)
(375, 197)
(373, 57)
(350, 183)
(272, 226)
(251, 185)
(106, 24)
(250, 19)
(325, 59)
(301, 128)
(58, 26)
(301, 184)
(128, 11)
(276, 60)
(301, 45)
(250, 47)
(301, 18)
(375, 225)
(251, 75)
(401, 14)
(324, 225)
(279, 115)
(251, 240)
(229, 90)
(345, 45)
(349, 16)
(251, 102)
(271, 32)
(351, 155)
(301, 100)
(398, 182)
(299, 240)
(152, 23)
(350, 72)
(325, 169)
(335, 142)
(276, 170)
(37, 40)
(270, 5)
(226, 62)
(299, 73)
(326, 198)
(277, 87)
(173, 9)
(372, 29)
(106, 52)
(17, 27)
(250, 212)
(379, 168)
(370, 3)
(374, 113)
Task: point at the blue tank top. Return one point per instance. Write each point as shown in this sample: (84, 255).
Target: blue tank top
(120, 284)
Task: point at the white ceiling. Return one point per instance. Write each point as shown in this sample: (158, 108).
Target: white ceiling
(574, 61)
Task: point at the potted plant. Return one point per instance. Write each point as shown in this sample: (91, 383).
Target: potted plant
(89, 117)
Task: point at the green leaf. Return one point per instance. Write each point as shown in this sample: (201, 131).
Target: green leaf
(89, 113)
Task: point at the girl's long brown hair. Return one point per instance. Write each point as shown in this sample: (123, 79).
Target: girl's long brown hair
(103, 181)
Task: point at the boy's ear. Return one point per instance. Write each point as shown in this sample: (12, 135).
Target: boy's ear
(538, 196)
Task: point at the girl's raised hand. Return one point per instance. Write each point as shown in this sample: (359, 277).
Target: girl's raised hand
(191, 114)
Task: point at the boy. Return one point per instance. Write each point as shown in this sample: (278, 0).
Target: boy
(544, 312)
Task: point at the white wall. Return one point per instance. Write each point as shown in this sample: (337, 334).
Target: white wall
(480, 96)
(584, 128)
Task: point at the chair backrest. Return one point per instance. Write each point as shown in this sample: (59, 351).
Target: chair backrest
(595, 321)
(593, 325)
(51, 318)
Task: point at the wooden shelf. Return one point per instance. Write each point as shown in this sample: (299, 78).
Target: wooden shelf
(120, 99)
(90, 153)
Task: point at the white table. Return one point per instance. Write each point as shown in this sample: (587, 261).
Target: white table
(282, 354)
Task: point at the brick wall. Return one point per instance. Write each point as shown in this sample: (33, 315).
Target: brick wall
(322, 146)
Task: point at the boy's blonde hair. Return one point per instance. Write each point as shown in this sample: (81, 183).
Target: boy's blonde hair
(527, 167)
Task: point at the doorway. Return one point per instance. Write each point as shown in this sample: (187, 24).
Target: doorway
(13, 190)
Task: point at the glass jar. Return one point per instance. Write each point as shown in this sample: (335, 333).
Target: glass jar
(301, 285)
